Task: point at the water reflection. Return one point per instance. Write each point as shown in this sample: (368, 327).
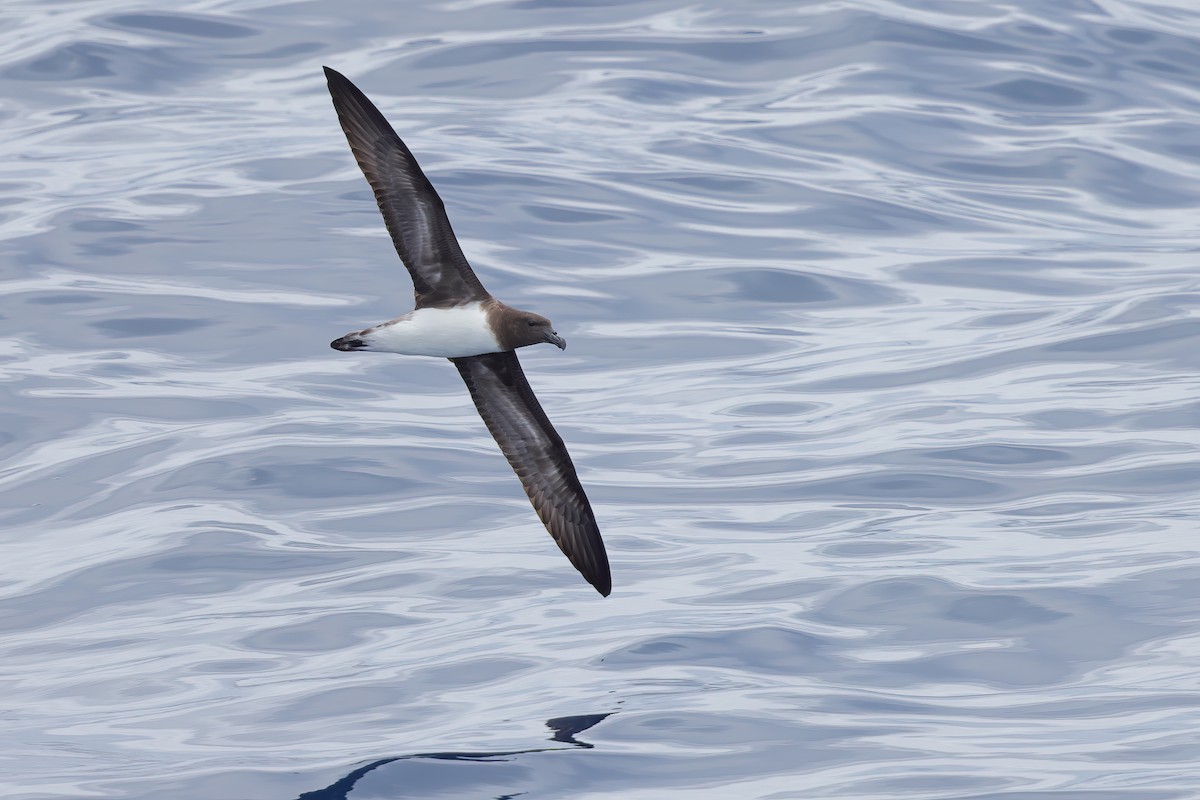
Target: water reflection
(409, 779)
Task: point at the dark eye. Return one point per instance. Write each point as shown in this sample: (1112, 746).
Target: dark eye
(533, 323)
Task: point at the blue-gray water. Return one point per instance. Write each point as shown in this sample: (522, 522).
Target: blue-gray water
(882, 377)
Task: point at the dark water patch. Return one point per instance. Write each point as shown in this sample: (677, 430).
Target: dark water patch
(1058, 632)
(926, 38)
(1020, 275)
(767, 649)
(136, 68)
(324, 632)
(271, 170)
(1146, 345)
(712, 288)
(1145, 340)
(1032, 92)
(142, 327)
(286, 52)
(323, 478)
(753, 439)
(774, 409)
(770, 593)
(105, 226)
(202, 565)
(568, 216)
(907, 486)
(74, 298)
(999, 454)
(659, 91)
(741, 468)
(470, 673)
(180, 25)
(1007, 320)
(872, 549)
(240, 666)
(330, 704)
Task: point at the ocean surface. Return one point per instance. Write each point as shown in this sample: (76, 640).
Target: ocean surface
(883, 377)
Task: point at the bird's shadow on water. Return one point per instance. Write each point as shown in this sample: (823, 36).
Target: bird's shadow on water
(565, 730)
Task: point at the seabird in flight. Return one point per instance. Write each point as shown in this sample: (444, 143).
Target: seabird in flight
(456, 318)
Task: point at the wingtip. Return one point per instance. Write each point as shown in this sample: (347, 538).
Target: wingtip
(601, 583)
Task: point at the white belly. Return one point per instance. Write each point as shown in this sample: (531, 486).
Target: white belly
(445, 332)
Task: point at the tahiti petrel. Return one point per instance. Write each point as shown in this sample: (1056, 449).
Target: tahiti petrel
(455, 317)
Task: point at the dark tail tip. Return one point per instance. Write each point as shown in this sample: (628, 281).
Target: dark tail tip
(348, 343)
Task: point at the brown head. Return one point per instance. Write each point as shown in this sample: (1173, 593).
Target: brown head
(515, 328)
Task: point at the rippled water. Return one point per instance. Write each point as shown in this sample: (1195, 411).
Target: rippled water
(883, 381)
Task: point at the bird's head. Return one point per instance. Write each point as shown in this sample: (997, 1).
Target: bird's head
(523, 328)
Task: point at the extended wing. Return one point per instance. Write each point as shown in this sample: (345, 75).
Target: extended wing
(536, 453)
(412, 210)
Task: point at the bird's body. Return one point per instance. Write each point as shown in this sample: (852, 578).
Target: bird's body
(457, 318)
(455, 332)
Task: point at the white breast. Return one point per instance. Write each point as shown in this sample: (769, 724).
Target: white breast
(446, 332)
